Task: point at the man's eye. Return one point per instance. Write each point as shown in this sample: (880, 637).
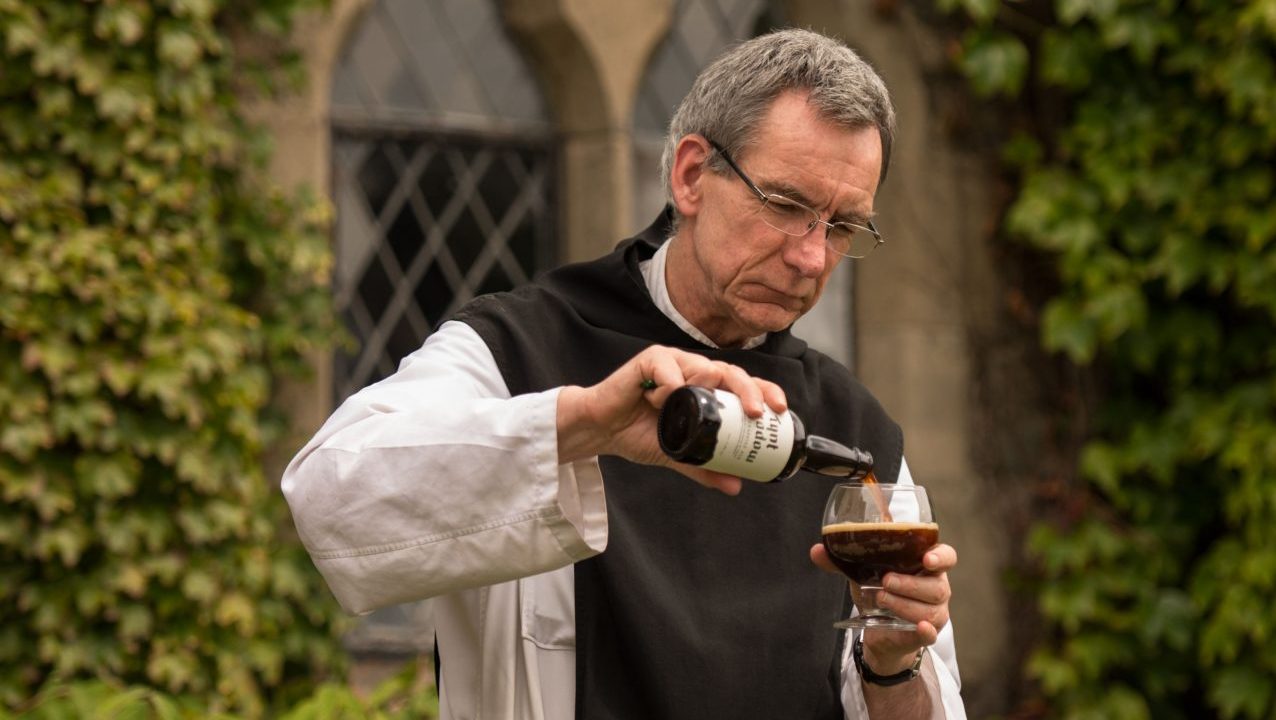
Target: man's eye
(784, 206)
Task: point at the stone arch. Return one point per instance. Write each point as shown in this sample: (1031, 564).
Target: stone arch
(590, 56)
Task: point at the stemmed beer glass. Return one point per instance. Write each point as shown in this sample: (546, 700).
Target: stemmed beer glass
(871, 529)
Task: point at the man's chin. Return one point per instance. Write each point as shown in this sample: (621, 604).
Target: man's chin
(769, 320)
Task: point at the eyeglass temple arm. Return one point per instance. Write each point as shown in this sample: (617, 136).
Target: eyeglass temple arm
(730, 161)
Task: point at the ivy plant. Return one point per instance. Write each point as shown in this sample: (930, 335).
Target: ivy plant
(1144, 159)
(404, 696)
(153, 289)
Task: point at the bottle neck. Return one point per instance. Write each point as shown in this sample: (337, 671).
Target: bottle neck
(828, 457)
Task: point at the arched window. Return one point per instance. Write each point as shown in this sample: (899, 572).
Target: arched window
(443, 178)
(443, 175)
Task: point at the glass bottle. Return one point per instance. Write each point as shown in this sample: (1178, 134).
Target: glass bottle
(704, 427)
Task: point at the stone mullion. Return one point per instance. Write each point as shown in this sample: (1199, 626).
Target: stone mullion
(590, 56)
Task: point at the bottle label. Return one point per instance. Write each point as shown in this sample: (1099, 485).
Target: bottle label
(755, 449)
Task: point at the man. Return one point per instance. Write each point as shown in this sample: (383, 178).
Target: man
(510, 468)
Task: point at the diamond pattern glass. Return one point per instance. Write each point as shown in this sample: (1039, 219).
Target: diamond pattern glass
(443, 166)
(446, 60)
(404, 268)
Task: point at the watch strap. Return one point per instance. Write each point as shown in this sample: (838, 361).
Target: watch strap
(867, 673)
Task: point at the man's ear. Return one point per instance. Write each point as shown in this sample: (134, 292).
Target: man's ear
(690, 159)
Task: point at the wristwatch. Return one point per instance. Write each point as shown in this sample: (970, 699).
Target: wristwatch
(867, 673)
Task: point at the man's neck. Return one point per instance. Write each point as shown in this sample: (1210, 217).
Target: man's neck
(689, 292)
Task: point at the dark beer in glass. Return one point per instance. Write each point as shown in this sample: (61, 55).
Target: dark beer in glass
(871, 529)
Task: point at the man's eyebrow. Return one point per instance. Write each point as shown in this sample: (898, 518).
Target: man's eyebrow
(793, 193)
(788, 191)
(854, 218)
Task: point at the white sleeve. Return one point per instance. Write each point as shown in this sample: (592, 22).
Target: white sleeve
(943, 656)
(435, 480)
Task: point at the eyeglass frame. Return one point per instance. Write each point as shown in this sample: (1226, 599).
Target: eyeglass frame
(765, 197)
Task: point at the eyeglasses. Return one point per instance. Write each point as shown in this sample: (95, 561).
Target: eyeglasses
(793, 218)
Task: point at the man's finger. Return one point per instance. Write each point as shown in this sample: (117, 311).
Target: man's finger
(932, 589)
(940, 558)
(935, 616)
(897, 642)
(774, 396)
(820, 556)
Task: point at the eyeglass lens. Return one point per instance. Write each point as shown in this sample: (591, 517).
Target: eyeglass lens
(792, 218)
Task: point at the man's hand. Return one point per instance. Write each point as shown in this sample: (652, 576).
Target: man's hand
(922, 599)
(618, 415)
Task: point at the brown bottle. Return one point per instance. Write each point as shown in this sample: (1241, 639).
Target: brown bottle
(699, 426)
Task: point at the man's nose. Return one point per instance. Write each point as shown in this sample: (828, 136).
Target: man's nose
(808, 253)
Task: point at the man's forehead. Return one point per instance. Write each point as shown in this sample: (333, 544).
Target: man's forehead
(796, 130)
(811, 178)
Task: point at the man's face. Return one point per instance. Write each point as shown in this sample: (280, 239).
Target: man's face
(742, 277)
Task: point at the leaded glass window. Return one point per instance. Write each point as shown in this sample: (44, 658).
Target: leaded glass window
(443, 171)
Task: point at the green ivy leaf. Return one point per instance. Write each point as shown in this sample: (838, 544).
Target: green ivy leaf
(136, 622)
(236, 609)
(1101, 463)
(995, 63)
(23, 35)
(1068, 58)
(179, 48)
(1073, 11)
(982, 11)
(1241, 692)
(200, 587)
(1066, 328)
(1142, 31)
(124, 23)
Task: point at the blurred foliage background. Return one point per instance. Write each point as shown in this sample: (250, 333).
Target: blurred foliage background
(1141, 152)
(155, 288)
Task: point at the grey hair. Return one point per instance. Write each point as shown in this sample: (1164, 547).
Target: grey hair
(730, 97)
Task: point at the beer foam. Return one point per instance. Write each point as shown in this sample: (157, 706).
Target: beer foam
(890, 526)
